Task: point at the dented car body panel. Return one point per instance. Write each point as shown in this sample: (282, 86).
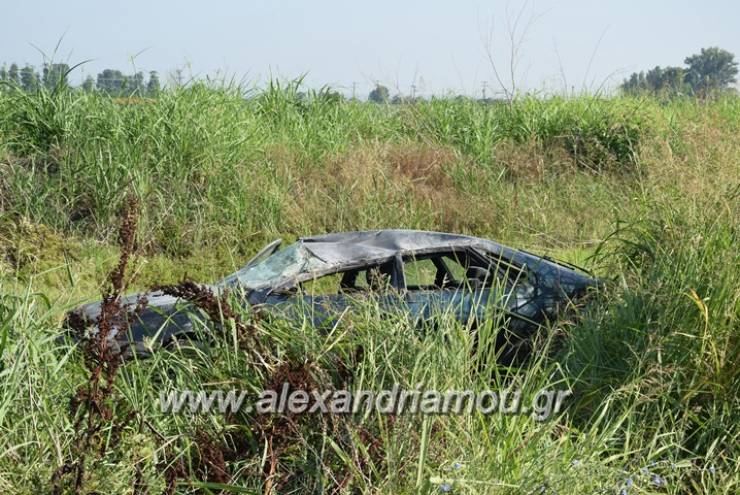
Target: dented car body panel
(422, 274)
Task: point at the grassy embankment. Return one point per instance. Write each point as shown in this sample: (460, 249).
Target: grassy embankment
(653, 364)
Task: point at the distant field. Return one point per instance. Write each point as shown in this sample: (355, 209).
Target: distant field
(645, 192)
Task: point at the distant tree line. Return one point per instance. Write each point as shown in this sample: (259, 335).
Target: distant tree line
(111, 82)
(709, 72)
(381, 94)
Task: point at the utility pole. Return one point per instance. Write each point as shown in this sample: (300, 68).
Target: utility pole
(354, 88)
(413, 91)
(484, 89)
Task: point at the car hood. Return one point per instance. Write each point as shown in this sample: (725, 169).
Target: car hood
(151, 319)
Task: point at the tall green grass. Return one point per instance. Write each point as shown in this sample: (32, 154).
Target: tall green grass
(204, 156)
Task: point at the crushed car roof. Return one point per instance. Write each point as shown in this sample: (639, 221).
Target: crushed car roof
(350, 247)
(316, 256)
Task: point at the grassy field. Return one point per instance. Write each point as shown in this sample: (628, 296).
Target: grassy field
(644, 192)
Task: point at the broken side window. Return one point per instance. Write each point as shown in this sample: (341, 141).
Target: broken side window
(376, 278)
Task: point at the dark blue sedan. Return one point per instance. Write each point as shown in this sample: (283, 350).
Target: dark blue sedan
(422, 274)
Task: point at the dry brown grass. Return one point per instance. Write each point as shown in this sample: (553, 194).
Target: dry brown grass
(412, 178)
(533, 160)
(384, 177)
(426, 186)
(700, 159)
(424, 165)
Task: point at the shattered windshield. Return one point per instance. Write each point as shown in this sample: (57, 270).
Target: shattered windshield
(286, 263)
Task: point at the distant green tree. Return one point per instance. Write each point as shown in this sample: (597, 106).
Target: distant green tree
(673, 81)
(404, 100)
(3, 73)
(711, 70)
(379, 95)
(14, 75)
(152, 87)
(136, 85)
(657, 81)
(112, 82)
(55, 75)
(29, 79)
(88, 85)
(654, 79)
(636, 84)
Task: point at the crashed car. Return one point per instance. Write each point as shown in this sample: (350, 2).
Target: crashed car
(422, 274)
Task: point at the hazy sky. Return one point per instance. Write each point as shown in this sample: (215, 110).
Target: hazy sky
(438, 45)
